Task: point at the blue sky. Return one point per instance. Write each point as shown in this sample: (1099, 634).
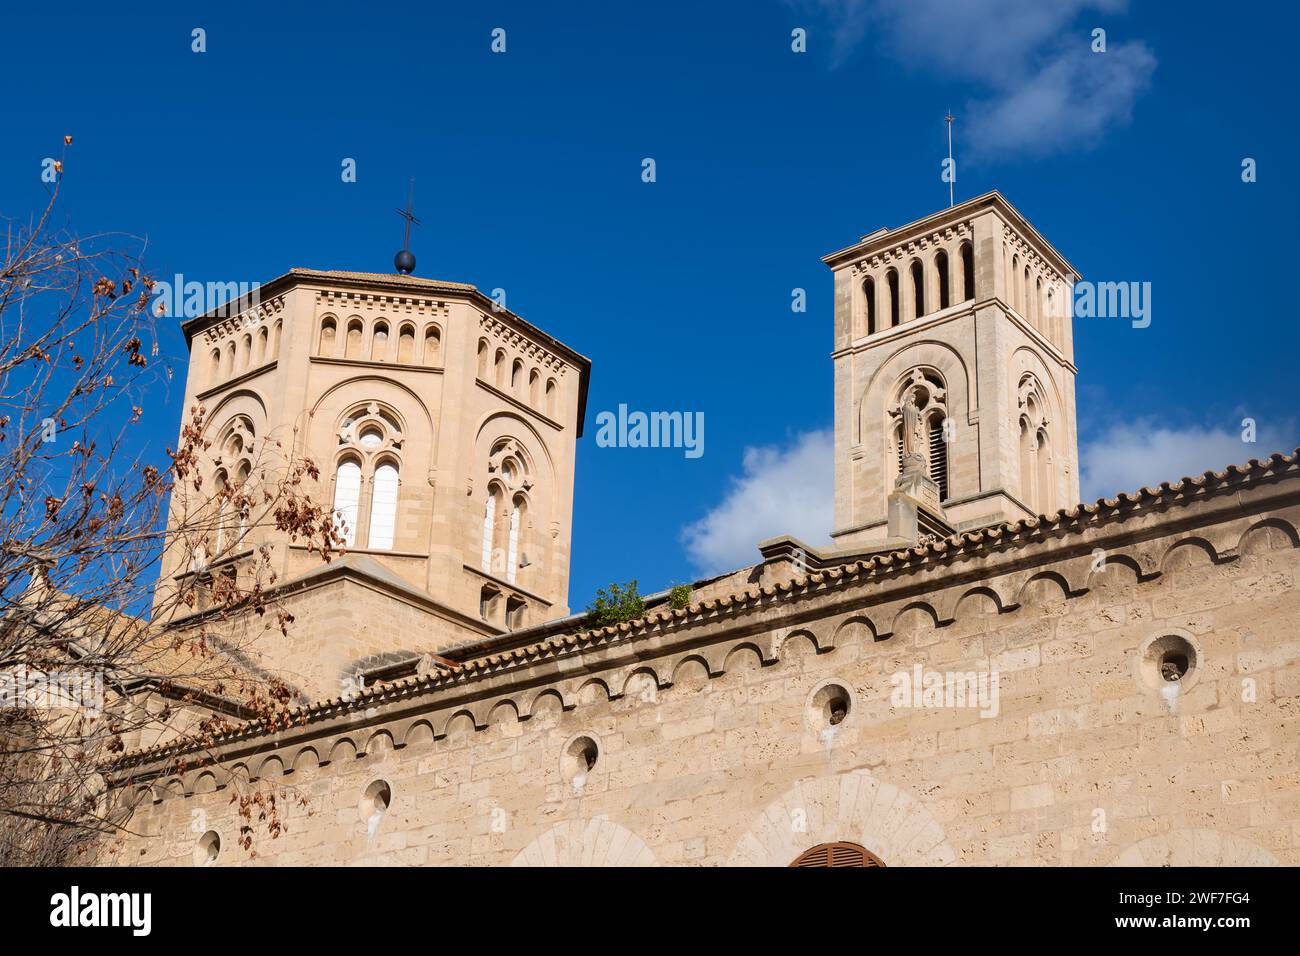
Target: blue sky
(528, 169)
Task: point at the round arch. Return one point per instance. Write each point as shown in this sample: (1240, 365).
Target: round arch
(853, 807)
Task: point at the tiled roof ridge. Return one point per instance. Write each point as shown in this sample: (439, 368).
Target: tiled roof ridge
(1081, 515)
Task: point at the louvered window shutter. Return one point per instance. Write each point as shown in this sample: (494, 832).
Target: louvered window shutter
(939, 458)
(837, 855)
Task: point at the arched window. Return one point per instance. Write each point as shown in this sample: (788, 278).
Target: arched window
(941, 265)
(938, 463)
(328, 329)
(432, 346)
(220, 495)
(1013, 283)
(379, 343)
(489, 527)
(406, 344)
(499, 368)
(275, 337)
(1038, 305)
(353, 347)
(1026, 295)
(383, 507)
(891, 283)
(216, 365)
(246, 356)
(837, 855)
(262, 338)
(967, 272)
(516, 376)
(1027, 470)
(918, 289)
(1037, 474)
(230, 358)
(551, 395)
(512, 547)
(482, 358)
(347, 496)
(869, 295)
(1046, 478)
(534, 387)
(924, 387)
(241, 476)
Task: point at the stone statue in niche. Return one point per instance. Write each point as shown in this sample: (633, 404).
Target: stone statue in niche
(913, 436)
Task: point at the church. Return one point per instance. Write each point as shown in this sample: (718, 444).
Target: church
(978, 670)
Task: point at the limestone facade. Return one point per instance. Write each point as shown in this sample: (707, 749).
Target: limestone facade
(709, 736)
(1111, 683)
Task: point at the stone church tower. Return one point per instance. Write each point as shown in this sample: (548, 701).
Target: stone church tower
(444, 429)
(981, 696)
(963, 314)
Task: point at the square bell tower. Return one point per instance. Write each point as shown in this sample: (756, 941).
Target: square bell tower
(954, 375)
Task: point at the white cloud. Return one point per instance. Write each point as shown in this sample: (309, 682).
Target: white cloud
(1068, 104)
(1043, 89)
(786, 490)
(1131, 456)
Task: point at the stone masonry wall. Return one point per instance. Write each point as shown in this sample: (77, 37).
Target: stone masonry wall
(713, 745)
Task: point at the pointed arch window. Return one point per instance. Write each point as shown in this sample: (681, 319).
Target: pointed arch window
(242, 476)
(220, 493)
(925, 387)
(1037, 467)
(383, 507)
(1027, 471)
(512, 546)
(347, 498)
(1046, 478)
(489, 528)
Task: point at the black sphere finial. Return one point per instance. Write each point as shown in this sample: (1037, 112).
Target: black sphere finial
(405, 260)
